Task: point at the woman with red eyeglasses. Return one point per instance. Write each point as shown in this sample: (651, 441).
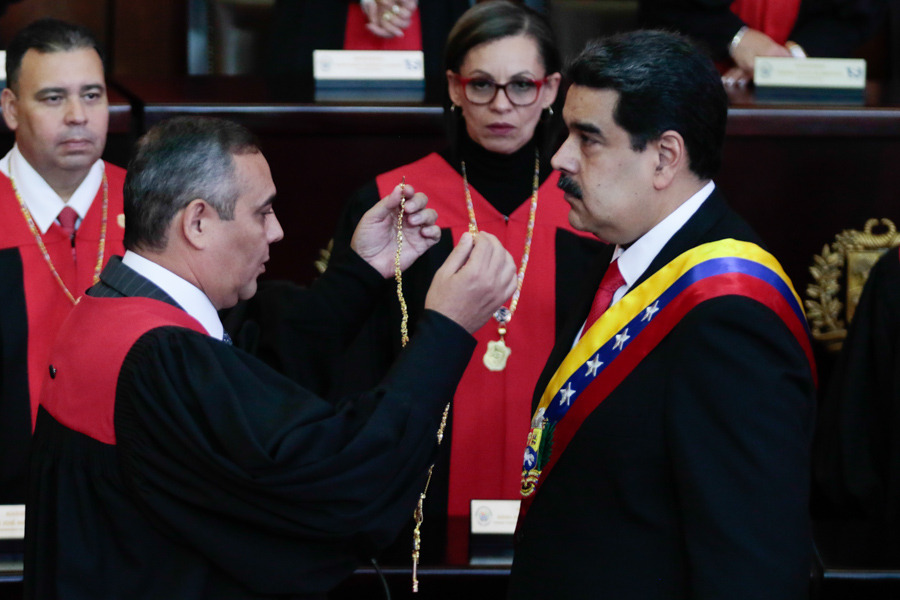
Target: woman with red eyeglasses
(502, 69)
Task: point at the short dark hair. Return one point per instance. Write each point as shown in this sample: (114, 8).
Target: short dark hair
(175, 162)
(46, 36)
(490, 21)
(664, 82)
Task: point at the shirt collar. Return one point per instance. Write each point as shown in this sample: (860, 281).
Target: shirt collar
(636, 259)
(188, 296)
(40, 199)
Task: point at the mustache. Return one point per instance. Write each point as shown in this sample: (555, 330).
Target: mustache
(568, 185)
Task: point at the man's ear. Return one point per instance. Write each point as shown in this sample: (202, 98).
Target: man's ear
(671, 158)
(196, 223)
(9, 104)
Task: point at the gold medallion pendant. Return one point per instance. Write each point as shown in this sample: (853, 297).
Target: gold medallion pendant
(497, 354)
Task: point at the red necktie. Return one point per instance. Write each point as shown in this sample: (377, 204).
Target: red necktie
(67, 218)
(612, 280)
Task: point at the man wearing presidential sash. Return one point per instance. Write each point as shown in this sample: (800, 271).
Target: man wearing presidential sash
(668, 455)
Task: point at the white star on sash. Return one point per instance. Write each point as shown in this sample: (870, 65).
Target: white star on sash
(593, 364)
(621, 338)
(650, 311)
(566, 394)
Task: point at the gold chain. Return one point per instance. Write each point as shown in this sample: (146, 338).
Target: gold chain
(419, 514)
(101, 246)
(504, 315)
(398, 276)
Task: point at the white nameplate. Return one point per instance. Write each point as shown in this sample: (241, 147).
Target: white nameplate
(368, 65)
(494, 516)
(820, 73)
(12, 521)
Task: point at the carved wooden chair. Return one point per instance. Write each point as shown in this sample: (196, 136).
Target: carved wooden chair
(839, 274)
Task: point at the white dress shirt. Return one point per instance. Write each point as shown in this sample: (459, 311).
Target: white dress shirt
(187, 295)
(635, 259)
(42, 202)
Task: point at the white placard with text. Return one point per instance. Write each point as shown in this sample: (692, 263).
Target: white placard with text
(494, 516)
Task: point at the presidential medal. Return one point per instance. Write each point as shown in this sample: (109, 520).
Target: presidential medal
(497, 354)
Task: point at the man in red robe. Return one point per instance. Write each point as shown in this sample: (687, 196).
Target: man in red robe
(60, 216)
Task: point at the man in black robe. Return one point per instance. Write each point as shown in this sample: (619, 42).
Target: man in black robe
(169, 464)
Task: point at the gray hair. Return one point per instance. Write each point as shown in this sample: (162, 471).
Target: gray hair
(175, 162)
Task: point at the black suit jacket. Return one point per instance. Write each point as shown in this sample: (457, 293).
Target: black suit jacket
(691, 479)
(119, 281)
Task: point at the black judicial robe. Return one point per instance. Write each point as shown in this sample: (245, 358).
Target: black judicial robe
(176, 466)
(33, 307)
(857, 450)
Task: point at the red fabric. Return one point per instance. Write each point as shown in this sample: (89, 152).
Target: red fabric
(357, 37)
(612, 280)
(734, 284)
(81, 392)
(67, 218)
(492, 410)
(47, 306)
(775, 18)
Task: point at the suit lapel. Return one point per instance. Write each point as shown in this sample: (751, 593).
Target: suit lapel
(693, 233)
(118, 280)
(574, 321)
(690, 235)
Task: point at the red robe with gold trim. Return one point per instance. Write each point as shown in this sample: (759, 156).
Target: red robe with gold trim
(33, 307)
(491, 410)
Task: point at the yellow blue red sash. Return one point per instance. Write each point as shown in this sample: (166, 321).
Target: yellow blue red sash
(630, 329)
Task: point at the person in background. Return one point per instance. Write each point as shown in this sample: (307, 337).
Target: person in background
(167, 463)
(60, 215)
(301, 26)
(856, 456)
(738, 31)
(669, 448)
(502, 74)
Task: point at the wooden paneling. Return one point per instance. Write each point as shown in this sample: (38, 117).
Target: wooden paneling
(140, 36)
(92, 14)
(150, 37)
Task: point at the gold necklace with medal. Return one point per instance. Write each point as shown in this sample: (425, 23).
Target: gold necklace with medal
(101, 245)
(497, 351)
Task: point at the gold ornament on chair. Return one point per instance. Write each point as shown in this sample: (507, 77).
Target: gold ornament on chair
(846, 262)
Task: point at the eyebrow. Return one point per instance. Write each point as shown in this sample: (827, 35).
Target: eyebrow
(270, 201)
(64, 90)
(587, 127)
(525, 73)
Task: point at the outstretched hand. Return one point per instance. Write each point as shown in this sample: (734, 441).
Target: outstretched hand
(375, 238)
(477, 277)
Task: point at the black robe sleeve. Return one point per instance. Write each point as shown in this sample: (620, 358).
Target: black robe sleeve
(857, 449)
(710, 22)
(278, 488)
(324, 316)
